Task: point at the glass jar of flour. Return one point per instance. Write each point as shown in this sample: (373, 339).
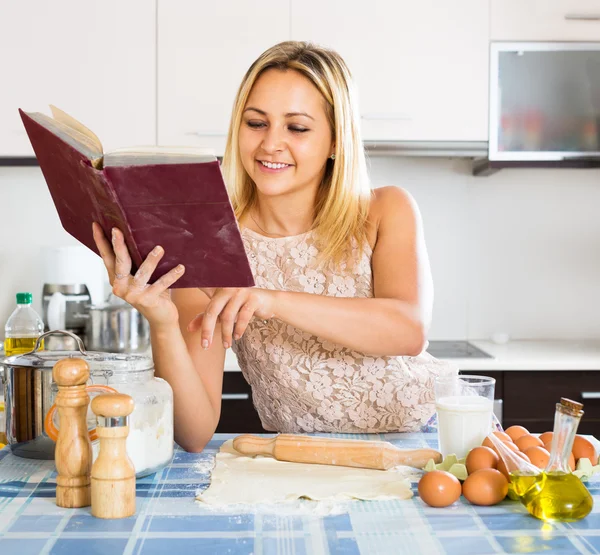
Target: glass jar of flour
(150, 440)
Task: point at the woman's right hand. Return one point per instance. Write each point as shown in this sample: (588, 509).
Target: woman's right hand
(152, 301)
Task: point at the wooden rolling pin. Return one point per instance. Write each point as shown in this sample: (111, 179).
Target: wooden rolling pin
(379, 455)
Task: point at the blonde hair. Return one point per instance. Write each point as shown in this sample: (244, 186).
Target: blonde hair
(342, 203)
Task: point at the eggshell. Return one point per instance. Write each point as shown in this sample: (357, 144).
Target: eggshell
(546, 437)
(528, 441)
(481, 457)
(538, 456)
(584, 449)
(439, 488)
(515, 432)
(485, 487)
(502, 467)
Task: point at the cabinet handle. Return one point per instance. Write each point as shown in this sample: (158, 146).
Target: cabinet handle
(582, 17)
(384, 116)
(235, 396)
(206, 134)
(590, 394)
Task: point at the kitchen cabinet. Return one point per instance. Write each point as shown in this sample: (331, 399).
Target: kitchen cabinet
(545, 20)
(238, 414)
(529, 397)
(421, 67)
(202, 59)
(95, 61)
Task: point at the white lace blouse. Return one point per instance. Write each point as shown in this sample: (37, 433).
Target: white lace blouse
(303, 383)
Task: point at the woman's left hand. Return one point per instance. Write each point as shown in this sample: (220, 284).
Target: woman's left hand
(233, 308)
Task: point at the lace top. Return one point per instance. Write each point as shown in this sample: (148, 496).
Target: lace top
(303, 383)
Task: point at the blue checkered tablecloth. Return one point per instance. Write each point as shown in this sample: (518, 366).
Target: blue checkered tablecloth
(169, 520)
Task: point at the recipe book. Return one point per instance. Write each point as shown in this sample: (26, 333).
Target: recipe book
(173, 197)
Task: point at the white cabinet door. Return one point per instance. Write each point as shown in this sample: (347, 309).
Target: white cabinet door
(545, 20)
(204, 50)
(421, 67)
(93, 59)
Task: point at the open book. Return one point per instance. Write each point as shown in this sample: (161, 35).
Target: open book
(169, 196)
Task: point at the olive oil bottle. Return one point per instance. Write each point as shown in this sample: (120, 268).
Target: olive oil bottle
(555, 493)
(23, 327)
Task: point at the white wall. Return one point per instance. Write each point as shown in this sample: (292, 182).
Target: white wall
(517, 252)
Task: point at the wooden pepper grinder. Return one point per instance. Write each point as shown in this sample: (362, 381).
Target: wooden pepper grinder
(73, 453)
(113, 473)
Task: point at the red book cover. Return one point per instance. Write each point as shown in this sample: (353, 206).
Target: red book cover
(184, 207)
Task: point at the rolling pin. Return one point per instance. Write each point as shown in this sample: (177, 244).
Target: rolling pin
(379, 455)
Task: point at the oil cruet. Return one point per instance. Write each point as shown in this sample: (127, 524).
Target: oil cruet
(554, 494)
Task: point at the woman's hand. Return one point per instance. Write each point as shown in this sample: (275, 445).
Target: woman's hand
(152, 301)
(233, 308)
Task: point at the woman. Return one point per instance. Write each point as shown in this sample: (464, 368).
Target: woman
(332, 337)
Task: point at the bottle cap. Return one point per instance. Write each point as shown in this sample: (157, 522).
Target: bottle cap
(24, 298)
(571, 407)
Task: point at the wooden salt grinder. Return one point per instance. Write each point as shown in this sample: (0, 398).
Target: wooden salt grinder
(73, 452)
(113, 473)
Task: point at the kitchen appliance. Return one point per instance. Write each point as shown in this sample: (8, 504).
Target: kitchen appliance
(73, 278)
(65, 306)
(544, 104)
(455, 349)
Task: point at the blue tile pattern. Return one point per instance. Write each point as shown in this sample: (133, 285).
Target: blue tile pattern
(168, 520)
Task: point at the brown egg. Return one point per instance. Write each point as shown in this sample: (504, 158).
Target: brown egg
(584, 449)
(485, 487)
(548, 447)
(502, 467)
(439, 489)
(515, 432)
(538, 456)
(481, 457)
(546, 437)
(528, 441)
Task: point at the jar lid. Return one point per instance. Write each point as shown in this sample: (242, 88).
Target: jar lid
(98, 361)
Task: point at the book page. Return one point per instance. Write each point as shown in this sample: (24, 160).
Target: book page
(142, 155)
(70, 121)
(71, 136)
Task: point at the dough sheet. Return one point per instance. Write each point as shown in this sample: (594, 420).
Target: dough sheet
(237, 478)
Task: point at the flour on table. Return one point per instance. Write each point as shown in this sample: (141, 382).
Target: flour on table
(240, 479)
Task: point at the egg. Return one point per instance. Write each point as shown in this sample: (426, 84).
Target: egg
(515, 432)
(548, 447)
(487, 442)
(485, 487)
(584, 449)
(528, 441)
(538, 456)
(502, 467)
(546, 437)
(439, 489)
(481, 457)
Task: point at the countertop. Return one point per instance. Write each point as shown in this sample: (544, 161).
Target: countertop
(515, 355)
(169, 520)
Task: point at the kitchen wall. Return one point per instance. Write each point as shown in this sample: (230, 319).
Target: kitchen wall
(516, 252)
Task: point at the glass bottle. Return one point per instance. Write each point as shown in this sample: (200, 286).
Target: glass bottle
(560, 495)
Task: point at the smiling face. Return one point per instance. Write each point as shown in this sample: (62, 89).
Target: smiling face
(285, 137)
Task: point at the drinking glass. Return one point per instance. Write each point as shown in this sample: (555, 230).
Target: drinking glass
(464, 405)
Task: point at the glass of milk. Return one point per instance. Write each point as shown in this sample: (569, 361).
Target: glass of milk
(464, 406)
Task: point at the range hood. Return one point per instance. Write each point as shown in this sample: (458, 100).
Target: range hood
(544, 104)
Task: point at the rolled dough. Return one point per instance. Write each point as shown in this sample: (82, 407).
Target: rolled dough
(251, 480)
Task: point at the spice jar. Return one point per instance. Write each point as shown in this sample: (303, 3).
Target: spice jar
(150, 440)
